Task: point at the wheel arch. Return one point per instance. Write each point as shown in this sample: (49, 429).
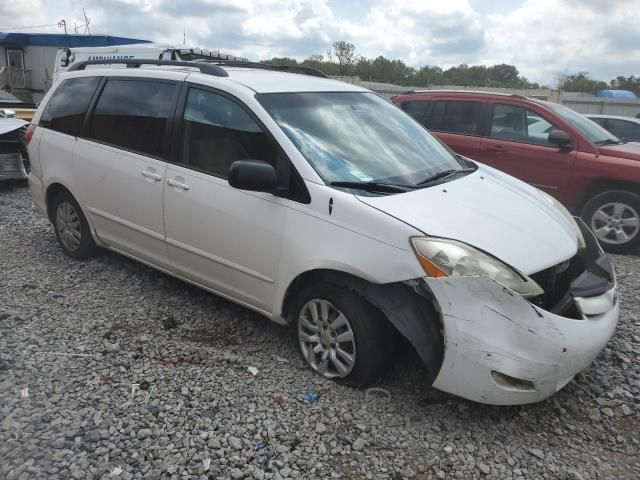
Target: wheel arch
(602, 186)
(409, 308)
(52, 191)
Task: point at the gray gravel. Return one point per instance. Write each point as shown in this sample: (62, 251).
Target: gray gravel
(109, 369)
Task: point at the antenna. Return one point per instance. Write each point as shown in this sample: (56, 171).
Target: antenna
(85, 25)
(86, 22)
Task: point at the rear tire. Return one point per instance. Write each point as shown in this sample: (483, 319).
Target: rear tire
(341, 336)
(614, 217)
(72, 229)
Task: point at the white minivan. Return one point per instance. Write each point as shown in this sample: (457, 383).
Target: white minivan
(320, 205)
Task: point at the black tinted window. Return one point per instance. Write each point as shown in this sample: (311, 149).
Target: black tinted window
(68, 105)
(217, 132)
(434, 116)
(416, 109)
(461, 117)
(623, 129)
(133, 114)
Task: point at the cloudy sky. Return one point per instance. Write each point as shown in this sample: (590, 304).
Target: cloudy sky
(543, 38)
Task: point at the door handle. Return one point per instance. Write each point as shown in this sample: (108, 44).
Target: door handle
(180, 185)
(497, 148)
(154, 176)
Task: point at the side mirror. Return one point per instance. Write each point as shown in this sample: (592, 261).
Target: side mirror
(560, 138)
(253, 175)
(7, 113)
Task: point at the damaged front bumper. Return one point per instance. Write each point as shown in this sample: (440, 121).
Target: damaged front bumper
(503, 349)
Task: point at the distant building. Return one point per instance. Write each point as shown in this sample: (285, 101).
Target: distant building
(27, 59)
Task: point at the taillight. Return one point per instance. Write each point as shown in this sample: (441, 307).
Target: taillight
(28, 134)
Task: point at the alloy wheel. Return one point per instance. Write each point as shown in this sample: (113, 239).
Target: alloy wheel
(615, 223)
(326, 339)
(68, 226)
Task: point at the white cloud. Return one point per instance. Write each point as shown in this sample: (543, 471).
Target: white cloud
(541, 37)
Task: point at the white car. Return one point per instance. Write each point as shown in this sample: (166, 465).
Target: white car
(320, 205)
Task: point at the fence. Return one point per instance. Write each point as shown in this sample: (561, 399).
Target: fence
(584, 103)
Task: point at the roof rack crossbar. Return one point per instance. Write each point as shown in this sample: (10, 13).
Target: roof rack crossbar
(204, 67)
(266, 66)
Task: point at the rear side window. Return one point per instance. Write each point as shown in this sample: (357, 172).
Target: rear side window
(626, 130)
(218, 131)
(461, 117)
(455, 117)
(132, 114)
(68, 105)
(416, 108)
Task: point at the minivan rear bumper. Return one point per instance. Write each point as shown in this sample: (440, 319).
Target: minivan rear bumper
(501, 349)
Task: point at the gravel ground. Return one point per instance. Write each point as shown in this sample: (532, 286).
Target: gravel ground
(109, 369)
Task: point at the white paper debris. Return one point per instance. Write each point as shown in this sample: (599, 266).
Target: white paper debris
(253, 370)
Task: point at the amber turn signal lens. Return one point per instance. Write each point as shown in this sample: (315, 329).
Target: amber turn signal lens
(430, 268)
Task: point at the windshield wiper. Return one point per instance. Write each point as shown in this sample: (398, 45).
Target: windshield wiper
(609, 141)
(374, 186)
(444, 174)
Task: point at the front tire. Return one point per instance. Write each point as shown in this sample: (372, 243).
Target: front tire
(614, 217)
(72, 229)
(341, 336)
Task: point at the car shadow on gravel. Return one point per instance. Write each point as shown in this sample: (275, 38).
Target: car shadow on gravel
(8, 186)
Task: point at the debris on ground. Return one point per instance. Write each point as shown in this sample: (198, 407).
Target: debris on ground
(280, 359)
(377, 393)
(208, 413)
(253, 371)
(169, 323)
(311, 397)
(278, 399)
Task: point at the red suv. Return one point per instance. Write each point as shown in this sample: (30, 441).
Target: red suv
(595, 174)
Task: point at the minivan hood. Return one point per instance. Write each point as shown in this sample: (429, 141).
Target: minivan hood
(630, 150)
(490, 211)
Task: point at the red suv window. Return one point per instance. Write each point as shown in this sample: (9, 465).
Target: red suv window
(455, 116)
(517, 124)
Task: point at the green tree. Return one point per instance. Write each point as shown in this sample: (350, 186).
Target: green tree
(580, 82)
(344, 53)
(631, 83)
(281, 61)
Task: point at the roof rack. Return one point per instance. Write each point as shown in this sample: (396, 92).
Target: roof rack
(197, 53)
(266, 66)
(462, 90)
(203, 66)
(208, 66)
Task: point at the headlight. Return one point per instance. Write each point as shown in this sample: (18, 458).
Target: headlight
(440, 257)
(567, 215)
